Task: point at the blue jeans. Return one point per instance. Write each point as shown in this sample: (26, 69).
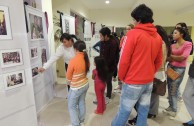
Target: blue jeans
(132, 94)
(76, 105)
(173, 87)
(188, 96)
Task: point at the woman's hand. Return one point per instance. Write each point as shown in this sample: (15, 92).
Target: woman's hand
(41, 70)
(169, 59)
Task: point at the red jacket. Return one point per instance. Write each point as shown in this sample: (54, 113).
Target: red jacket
(141, 55)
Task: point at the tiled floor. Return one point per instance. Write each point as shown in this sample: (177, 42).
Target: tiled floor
(56, 114)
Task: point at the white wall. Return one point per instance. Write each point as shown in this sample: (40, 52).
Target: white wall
(17, 106)
(111, 17)
(166, 18)
(66, 5)
(122, 17)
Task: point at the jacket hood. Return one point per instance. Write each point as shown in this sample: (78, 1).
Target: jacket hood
(148, 27)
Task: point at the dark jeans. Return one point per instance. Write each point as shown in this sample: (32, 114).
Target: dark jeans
(109, 84)
(115, 73)
(66, 66)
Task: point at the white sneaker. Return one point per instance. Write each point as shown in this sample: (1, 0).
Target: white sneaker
(171, 113)
(107, 100)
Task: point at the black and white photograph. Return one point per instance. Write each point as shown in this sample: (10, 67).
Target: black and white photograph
(66, 26)
(43, 55)
(5, 29)
(14, 80)
(11, 58)
(34, 52)
(34, 71)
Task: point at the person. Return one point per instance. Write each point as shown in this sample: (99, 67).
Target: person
(128, 27)
(186, 38)
(141, 57)
(108, 50)
(65, 50)
(116, 56)
(99, 75)
(76, 77)
(97, 46)
(177, 61)
(188, 95)
(160, 74)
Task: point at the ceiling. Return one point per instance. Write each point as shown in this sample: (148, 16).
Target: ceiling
(171, 5)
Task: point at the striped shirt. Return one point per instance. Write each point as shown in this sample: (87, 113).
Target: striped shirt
(76, 72)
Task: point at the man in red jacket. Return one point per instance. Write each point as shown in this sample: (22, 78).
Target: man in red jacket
(141, 57)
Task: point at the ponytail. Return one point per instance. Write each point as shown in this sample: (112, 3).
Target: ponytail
(81, 47)
(86, 61)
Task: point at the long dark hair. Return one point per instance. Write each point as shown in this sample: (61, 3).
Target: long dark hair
(101, 67)
(164, 37)
(81, 47)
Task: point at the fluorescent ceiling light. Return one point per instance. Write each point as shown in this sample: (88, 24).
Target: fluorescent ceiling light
(107, 1)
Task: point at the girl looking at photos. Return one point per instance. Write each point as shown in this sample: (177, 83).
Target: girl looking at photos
(177, 61)
(78, 81)
(65, 50)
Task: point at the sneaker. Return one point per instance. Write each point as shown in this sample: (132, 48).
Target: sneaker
(107, 100)
(167, 109)
(95, 102)
(117, 87)
(151, 116)
(190, 123)
(180, 99)
(114, 79)
(171, 113)
(132, 122)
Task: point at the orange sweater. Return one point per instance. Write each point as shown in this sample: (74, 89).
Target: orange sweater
(76, 72)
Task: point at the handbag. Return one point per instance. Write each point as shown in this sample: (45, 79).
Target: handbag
(172, 74)
(159, 87)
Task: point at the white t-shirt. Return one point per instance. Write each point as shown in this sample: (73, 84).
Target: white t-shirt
(67, 53)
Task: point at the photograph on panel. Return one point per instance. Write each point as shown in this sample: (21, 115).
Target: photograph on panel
(36, 26)
(43, 55)
(34, 52)
(35, 71)
(14, 79)
(67, 26)
(11, 58)
(5, 29)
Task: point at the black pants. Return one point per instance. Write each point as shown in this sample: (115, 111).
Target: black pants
(66, 66)
(115, 73)
(109, 85)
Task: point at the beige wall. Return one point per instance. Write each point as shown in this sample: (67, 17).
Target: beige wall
(122, 17)
(111, 17)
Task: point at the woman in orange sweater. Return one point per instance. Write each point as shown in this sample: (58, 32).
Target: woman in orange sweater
(76, 78)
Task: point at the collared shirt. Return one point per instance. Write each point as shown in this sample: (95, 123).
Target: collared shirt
(62, 51)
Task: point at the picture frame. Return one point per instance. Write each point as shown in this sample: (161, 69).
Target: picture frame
(14, 79)
(5, 25)
(10, 58)
(35, 71)
(34, 52)
(36, 24)
(68, 24)
(43, 54)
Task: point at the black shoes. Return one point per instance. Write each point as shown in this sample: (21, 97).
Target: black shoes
(151, 116)
(186, 124)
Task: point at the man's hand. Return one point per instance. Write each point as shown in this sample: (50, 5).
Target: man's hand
(41, 70)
